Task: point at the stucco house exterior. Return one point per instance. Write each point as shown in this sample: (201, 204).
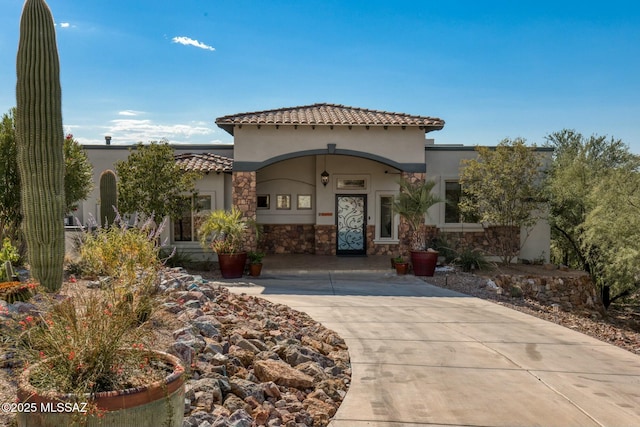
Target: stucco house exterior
(320, 180)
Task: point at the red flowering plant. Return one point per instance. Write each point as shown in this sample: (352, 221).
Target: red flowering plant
(96, 340)
(86, 344)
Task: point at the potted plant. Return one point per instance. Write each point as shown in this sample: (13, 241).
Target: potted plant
(88, 358)
(413, 204)
(87, 364)
(255, 263)
(402, 266)
(224, 232)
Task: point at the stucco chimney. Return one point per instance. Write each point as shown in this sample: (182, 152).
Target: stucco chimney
(107, 139)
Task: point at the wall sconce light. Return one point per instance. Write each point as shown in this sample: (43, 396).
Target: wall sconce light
(324, 177)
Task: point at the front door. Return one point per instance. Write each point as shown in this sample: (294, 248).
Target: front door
(352, 224)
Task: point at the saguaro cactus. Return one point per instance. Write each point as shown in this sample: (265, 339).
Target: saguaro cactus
(40, 139)
(108, 197)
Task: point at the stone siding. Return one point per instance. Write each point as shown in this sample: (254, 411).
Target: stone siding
(379, 249)
(325, 239)
(573, 292)
(288, 238)
(244, 199)
(486, 241)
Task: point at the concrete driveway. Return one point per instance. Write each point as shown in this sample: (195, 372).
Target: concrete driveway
(424, 356)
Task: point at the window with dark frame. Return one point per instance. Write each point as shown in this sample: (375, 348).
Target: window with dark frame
(185, 228)
(264, 201)
(386, 217)
(453, 194)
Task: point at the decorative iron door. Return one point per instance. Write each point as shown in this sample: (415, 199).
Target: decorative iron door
(351, 218)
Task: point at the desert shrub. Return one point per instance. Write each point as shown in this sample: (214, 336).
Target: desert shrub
(444, 248)
(121, 252)
(8, 253)
(471, 259)
(173, 257)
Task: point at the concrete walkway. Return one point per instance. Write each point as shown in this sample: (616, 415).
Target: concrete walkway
(424, 356)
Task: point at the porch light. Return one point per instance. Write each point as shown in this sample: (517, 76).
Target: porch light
(324, 177)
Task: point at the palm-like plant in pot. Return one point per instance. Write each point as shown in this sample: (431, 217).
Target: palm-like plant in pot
(413, 204)
(224, 232)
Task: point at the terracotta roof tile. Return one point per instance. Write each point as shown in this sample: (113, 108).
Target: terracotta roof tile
(328, 114)
(204, 162)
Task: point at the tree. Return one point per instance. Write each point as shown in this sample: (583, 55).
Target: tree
(502, 186)
(611, 238)
(151, 183)
(413, 204)
(10, 214)
(578, 188)
(78, 175)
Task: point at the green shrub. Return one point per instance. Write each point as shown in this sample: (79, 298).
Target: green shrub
(8, 253)
(173, 257)
(444, 248)
(471, 259)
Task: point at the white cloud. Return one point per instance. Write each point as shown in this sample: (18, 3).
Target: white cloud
(130, 113)
(64, 25)
(191, 42)
(131, 131)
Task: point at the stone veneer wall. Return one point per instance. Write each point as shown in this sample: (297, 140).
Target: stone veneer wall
(379, 249)
(288, 238)
(486, 240)
(569, 292)
(244, 198)
(325, 239)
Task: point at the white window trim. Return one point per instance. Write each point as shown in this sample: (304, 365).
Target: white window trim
(193, 243)
(396, 220)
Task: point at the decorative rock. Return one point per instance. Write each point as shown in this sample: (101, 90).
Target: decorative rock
(233, 403)
(313, 369)
(234, 346)
(281, 373)
(319, 410)
(245, 388)
(240, 418)
(206, 328)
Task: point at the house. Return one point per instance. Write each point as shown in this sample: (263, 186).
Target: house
(320, 179)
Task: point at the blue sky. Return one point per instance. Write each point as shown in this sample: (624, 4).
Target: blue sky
(144, 70)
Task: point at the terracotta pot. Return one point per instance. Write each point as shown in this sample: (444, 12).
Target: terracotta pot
(402, 267)
(424, 262)
(232, 265)
(255, 270)
(157, 404)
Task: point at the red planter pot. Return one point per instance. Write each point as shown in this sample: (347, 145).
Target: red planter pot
(232, 265)
(424, 262)
(401, 268)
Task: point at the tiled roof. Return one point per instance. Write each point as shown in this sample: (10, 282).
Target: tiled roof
(204, 162)
(328, 114)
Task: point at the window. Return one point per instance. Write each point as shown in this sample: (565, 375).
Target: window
(185, 228)
(283, 201)
(304, 201)
(264, 201)
(386, 217)
(453, 194)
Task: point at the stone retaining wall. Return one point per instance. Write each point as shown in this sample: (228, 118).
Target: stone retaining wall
(572, 292)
